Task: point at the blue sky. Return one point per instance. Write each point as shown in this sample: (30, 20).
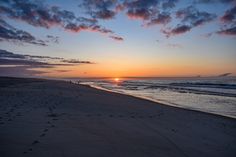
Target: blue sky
(200, 41)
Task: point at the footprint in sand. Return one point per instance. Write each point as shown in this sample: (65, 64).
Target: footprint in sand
(35, 142)
(45, 130)
(25, 152)
(31, 149)
(52, 115)
(50, 109)
(42, 135)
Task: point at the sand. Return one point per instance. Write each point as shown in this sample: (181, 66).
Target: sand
(43, 118)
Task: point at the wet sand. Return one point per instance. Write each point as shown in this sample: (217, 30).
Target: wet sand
(55, 118)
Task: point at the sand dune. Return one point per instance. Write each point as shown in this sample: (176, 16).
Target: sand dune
(42, 118)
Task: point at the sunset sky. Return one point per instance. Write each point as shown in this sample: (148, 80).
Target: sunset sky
(117, 38)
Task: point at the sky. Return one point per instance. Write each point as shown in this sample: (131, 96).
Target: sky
(117, 38)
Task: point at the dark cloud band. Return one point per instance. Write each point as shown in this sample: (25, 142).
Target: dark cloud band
(9, 33)
(30, 64)
(39, 15)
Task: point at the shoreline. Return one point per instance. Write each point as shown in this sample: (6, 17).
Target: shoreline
(58, 118)
(155, 101)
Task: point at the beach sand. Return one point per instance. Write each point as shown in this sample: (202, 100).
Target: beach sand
(45, 118)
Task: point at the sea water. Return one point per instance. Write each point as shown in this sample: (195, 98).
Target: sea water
(215, 95)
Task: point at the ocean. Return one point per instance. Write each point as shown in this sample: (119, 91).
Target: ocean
(215, 95)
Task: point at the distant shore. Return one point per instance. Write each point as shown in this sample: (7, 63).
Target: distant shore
(56, 118)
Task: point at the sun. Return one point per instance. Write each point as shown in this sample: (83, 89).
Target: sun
(116, 79)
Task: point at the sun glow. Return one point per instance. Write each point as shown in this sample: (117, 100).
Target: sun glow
(116, 79)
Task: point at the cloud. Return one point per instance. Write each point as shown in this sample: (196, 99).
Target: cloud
(213, 1)
(141, 9)
(31, 64)
(151, 11)
(9, 33)
(116, 38)
(78, 28)
(140, 13)
(76, 61)
(169, 4)
(162, 18)
(20, 62)
(39, 15)
(105, 14)
(21, 59)
(179, 29)
(101, 9)
(22, 71)
(54, 39)
(190, 17)
(6, 54)
(229, 22)
(224, 75)
(194, 17)
(63, 71)
(229, 16)
(228, 31)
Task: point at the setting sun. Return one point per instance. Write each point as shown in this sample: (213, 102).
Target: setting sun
(116, 79)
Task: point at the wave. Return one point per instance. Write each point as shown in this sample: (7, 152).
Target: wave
(205, 88)
(206, 85)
